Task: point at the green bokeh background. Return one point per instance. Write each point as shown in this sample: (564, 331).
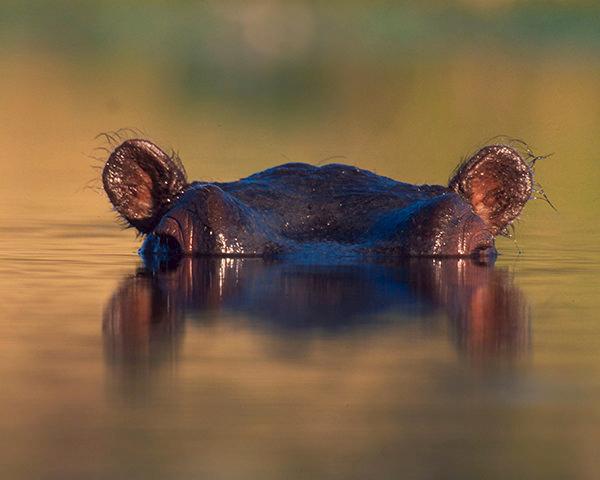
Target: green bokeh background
(403, 88)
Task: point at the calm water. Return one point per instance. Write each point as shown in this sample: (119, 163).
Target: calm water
(241, 368)
(245, 369)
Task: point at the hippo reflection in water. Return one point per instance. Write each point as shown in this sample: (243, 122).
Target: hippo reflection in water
(487, 314)
(298, 207)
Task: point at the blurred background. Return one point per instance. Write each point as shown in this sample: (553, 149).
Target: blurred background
(406, 89)
(403, 88)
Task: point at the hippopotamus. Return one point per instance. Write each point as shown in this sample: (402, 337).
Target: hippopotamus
(335, 208)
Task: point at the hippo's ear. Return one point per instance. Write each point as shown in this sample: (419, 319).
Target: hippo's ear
(497, 182)
(141, 182)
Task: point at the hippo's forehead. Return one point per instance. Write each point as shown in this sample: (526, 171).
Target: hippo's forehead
(306, 203)
(338, 179)
(297, 189)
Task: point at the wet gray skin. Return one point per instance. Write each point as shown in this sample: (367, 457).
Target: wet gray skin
(336, 209)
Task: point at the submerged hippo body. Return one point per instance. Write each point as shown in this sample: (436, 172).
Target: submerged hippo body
(300, 207)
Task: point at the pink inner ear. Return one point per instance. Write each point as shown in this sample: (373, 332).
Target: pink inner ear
(482, 196)
(132, 193)
(142, 196)
(497, 183)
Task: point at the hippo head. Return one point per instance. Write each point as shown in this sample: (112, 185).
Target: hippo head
(294, 206)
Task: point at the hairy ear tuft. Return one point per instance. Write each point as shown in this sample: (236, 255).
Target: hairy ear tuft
(497, 182)
(141, 182)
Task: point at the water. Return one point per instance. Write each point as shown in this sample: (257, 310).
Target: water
(241, 368)
(246, 369)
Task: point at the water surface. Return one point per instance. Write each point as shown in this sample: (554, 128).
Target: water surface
(243, 368)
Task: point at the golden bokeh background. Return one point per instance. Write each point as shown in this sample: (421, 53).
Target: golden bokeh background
(405, 89)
